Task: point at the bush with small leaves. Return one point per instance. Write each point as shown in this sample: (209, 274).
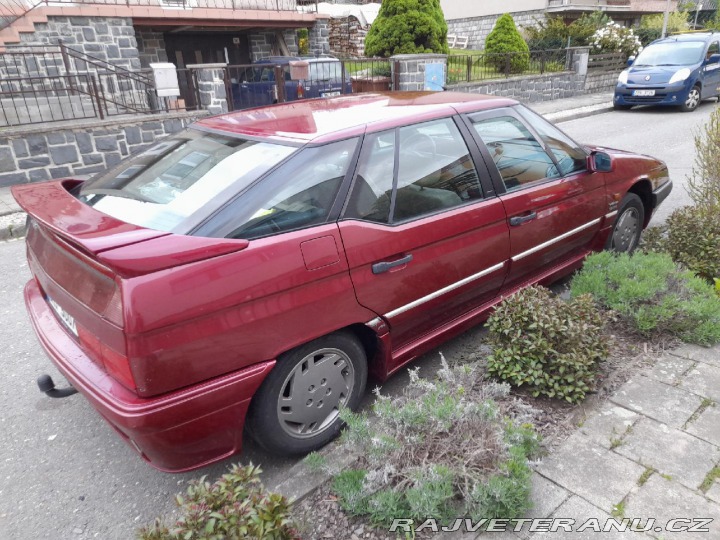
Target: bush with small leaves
(505, 48)
(653, 294)
(235, 506)
(443, 449)
(550, 346)
(693, 239)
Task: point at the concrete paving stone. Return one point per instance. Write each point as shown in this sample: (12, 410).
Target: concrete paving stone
(669, 369)
(709, 355)
(707, 425)
(588, 521)
(703, 379)
(591, 471)
(671, 451)
(609, 423)
(667, 404)
(663, 500)
(546, 498)
(714, 492)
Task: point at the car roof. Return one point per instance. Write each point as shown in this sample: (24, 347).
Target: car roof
(693, 36)
(327, 119)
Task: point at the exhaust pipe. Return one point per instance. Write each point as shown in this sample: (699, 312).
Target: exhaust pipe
(47, 386)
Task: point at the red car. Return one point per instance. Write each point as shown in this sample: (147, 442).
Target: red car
(255, 269)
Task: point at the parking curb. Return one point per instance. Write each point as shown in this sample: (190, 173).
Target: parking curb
(580, 112)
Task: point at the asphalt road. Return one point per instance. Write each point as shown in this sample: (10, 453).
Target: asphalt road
(65, 475)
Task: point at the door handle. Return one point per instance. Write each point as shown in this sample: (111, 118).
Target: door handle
(384, 266)
(519, 220)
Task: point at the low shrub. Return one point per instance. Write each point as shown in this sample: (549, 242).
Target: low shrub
(693, 239)
(235, 506)
(652, 294)
(550, 346)
(505, 48)
(444, 448)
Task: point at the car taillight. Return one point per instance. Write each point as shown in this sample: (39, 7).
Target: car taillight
(117, 365)
(113, 309)
(300, 91)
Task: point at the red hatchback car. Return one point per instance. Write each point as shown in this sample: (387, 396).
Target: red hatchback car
(253, 270)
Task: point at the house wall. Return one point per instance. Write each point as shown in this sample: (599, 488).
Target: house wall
(110, 39)
(151, 46)
(264, 44)
(319, 38)
(347, 38)
(464, 9)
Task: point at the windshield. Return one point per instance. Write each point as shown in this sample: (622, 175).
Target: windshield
(166, 186)
(325, 71)
(677, 53)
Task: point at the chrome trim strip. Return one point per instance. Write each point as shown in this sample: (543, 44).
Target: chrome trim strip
(440, 292)
(554, 240)
(611, 215)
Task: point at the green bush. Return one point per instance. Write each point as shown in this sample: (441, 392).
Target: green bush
(407, 27)
(704, 182)
(614, 37)
(653, 294)
(651, 25)
(235, 506)
(546, 344)
(554, 33)
(693, 239)
(443, 449)
(505, 48)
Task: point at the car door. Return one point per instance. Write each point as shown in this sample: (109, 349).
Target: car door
(425, 240)
(711, 70)
(554, 205)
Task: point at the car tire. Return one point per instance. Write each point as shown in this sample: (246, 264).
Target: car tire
(625, 234)
(286, 416)
(619, 107)
(693, 100)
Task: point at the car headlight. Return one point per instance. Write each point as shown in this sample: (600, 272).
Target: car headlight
(680, 75)
(623, 77)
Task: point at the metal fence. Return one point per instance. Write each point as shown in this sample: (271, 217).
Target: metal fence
(488, 66)
(52, 83)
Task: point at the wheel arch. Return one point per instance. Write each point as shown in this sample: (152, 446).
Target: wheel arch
(643, 189)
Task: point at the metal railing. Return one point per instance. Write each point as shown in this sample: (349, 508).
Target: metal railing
(489, 66)
(53, 83)
(11, 10)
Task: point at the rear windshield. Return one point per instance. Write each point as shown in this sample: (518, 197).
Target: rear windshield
(678, 53)
(325, 71)
(173, 184)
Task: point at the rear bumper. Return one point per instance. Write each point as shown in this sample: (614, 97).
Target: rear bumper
(174, 432)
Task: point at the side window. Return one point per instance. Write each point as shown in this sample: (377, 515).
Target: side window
(519, 157)
(435, 170)
(570, 156)
(372, 189)
(713, 49)
(298, 194)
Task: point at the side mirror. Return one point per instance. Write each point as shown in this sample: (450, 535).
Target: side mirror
(630, 61)
(713, 59)
(600, 162)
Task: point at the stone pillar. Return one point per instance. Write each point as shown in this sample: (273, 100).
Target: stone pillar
(319, 38)
(211, 87)
(409, 70)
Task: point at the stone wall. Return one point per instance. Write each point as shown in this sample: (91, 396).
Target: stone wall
(110, 39)
(319, 38)
(34, 154)
(478, 28)
(530, 88)
(409, 70)
(600, 81)
(211, 87)
(151, 46)
(264, 44)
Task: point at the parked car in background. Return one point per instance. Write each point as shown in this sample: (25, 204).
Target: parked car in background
(256, 86)
(253, 270)
(679, 71)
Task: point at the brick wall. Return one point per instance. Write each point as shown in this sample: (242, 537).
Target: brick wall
(34, 154)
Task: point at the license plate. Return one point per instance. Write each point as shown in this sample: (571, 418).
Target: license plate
(330, 94)
(643, 93)
(64, 316)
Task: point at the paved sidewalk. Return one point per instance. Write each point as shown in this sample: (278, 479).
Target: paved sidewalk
(7, 203)
(650, 452)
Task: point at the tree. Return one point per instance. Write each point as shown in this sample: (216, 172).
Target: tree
(407, 27)
(505, 48)
(651, 25)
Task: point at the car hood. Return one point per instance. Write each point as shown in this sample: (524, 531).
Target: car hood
(652, 75)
